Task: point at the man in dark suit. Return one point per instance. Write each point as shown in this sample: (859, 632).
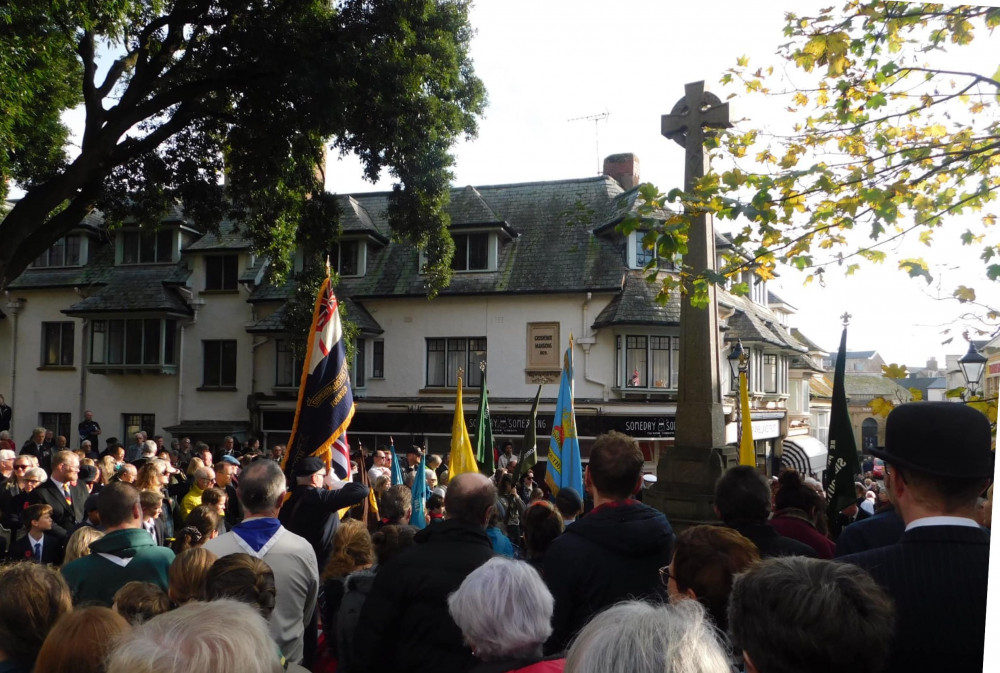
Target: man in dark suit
(938, 461)
(63, 494)
(882, 529)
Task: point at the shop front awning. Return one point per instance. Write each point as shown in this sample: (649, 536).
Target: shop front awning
(805, 454)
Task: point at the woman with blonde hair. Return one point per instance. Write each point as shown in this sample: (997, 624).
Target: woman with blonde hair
(107, 467)
(187, 573)
(80, 641)
(79, 543)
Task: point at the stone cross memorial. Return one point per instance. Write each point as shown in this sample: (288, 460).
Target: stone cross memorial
(687, 471)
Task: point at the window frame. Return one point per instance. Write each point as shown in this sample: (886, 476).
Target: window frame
(634, 352)
(285, 358)
(163, 250)
(60, 423)
(219, 277)
(114, 347)
(63, 350)
(134, 422)
(336, 254)
(62, 247)
(223, 350)
(471, 350)
(378, 359)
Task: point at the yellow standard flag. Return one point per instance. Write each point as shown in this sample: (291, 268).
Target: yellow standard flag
(748, 455)
(462, 457)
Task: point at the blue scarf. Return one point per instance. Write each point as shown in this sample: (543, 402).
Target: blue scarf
(256, 532)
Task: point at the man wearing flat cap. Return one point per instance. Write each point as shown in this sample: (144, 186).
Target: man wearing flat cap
(311, 510)
(938, 460)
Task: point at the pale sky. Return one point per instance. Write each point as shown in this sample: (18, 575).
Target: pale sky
(547, 62)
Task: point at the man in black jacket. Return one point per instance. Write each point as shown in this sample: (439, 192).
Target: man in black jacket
(743, 502)
(311, 510)
(612, 553)
(938, 461)
(405, 624)
(63, 494)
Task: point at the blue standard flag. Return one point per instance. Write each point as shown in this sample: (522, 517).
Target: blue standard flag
(564, 467)
(326, 405)
(842, 457)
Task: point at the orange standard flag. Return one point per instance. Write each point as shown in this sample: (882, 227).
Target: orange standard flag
(748, 455)
(462, 457)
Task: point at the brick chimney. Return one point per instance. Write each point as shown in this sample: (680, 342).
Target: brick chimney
(624, 168)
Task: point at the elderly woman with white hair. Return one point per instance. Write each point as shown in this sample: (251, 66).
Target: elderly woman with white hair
(504, 611)
(640, 637)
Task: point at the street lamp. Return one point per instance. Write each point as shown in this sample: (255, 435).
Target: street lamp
(972, 364)
(738, 363)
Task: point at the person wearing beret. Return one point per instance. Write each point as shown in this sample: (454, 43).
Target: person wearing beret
(938, 460)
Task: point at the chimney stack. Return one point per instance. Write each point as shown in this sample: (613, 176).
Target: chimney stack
(624, 168)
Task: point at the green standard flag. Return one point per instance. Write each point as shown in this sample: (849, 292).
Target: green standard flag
(842, 457)
(529, 452)
(484, 432)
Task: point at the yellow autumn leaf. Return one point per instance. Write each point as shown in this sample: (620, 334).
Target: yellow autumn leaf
(916, 395)
(894, 371)
(880, 406)
(964, 294)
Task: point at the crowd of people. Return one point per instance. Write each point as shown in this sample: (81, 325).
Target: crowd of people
(197, 559)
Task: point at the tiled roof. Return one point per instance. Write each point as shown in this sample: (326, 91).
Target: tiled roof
(356, 313)
(468, 207)
(228, 238)
(862, 384)
(860, 355)
(806, 341)
(636, 305)
(755, 323)
(556, 250)
(136, 289)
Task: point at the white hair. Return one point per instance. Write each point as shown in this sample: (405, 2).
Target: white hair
(222, 636)
(639, 637)
(148, 448)
(36, 473)
(503, 609)
(7, 454)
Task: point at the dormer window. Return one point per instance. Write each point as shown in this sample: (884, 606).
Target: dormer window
(639, 255)
(347, 257)
(67, 251)
(147, 246)
(472, 252)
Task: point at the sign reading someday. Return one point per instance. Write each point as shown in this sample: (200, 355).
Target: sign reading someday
(639, 427)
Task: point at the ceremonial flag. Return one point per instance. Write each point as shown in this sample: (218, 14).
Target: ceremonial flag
(564, 467)
(529, 453)
(462, 459)
(842, 457)
(484, 433)
(418, 495)
(325, 406)
(367, 508)
(748, 455)
(397, 473)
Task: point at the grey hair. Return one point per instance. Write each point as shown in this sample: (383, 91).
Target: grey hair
(203, 472)
(223, 636)
(639, 637)
(36, 473)
(148, 448)
(4, 434)
(504, 610)
(261, 484)
(6, 454)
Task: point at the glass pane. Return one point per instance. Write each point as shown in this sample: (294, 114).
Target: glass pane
(675, 361)
(116, 342)
(147, 246)
(460, 262)
(66, 340)
(72, 251)
(57, 253)
(210, 363)
(635, 362)
(349, 258)
(97, 342)
(169, 333)
(457, 349)
(378, 359)
(643, 256)
(659, 354)
(435, 362)
(479, 251)
(359, 362)
(50, 341)
(230, 273)
(130, 247)
(151, 342)
(770, 373)
(164, 245)
(213, 273)
(133, 342)
(228, 364)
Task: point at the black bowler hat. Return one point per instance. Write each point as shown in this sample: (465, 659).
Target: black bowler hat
(943, 439)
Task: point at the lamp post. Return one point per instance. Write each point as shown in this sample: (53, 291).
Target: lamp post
(738, 364)
(972, 363)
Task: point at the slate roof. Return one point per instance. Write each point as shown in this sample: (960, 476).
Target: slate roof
(868, 385)
(860, 355)
(355, 219)
(98, 270)
(149, 288)
(806, 341)
(356, 313)
(636, 305)
(228, 238)
(754, 323)
(554, 251)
